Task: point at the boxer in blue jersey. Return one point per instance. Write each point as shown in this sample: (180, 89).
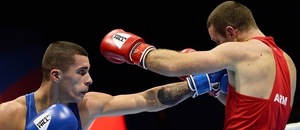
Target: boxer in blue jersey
(63, 100)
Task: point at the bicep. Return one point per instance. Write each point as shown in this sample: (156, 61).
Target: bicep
(106, 105)
(172, 63)
(125, 104)
(207, 61)
(220, 57)
(224, 56)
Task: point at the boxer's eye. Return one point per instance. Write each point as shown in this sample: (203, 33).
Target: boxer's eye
(82, 71)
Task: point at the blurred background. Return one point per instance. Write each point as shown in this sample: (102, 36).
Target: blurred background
(27, 28)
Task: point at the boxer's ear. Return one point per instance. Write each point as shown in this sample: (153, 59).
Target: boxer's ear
(55, 74)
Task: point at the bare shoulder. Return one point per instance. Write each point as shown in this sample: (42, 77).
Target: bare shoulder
(92, 106)
(97, 97)
(231, 49)
(241, 47)
(16, 106)
(230, 53)
(13, 113)
(94, 101)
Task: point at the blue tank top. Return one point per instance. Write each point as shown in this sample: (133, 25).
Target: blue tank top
(31, 110)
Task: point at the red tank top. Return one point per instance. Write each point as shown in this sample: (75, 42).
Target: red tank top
(243, 112)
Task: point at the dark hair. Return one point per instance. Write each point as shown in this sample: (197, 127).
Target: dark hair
(231, 13)
(60, 55)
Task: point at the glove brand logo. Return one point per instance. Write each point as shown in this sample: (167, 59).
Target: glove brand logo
(120, 38)
(43, 121)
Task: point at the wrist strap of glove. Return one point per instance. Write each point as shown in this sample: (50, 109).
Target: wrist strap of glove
(139, 52)
(214, 89)
(199, 84)
(224, 84)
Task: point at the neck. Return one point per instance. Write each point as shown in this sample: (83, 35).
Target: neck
(245, 36)
(46, 96)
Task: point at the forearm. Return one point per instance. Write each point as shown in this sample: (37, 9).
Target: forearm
(168, 95)
(119, 46)
(162, 61)
(174, 93)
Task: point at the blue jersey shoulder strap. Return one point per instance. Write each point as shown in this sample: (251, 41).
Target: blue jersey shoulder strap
(74, 108)
(31, 110)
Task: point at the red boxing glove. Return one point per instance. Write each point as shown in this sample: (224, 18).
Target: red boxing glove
(119, 46)
(187, 50)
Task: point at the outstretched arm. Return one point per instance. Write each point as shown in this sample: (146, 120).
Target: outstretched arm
(119, 47)
(96, 104)
(151, 100)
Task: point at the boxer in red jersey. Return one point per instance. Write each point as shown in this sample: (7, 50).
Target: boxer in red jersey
(261, 76)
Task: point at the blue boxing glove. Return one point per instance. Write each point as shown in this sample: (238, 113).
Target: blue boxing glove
(224, 84)
(56, 117)
(208, 83)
